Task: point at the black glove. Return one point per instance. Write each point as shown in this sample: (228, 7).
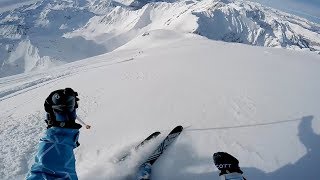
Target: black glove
(51, 117)
(226, 163)
(63, 93)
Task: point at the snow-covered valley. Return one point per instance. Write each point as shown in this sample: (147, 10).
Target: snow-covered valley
(259, 104)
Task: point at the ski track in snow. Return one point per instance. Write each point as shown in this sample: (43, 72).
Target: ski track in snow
(243, 107)
(39, 82)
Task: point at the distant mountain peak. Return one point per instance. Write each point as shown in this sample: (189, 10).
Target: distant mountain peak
(65, 31)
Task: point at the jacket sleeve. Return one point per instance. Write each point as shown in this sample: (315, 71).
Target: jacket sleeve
(55, 158)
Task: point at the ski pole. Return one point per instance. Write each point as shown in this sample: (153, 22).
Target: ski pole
(83, 123)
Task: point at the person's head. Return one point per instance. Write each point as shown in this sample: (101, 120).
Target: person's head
(64, 104)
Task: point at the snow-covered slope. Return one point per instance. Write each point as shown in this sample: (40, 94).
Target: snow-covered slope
(53, 32)
(259, 104)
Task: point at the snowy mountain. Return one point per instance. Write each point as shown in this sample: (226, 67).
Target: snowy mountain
(54, 32)
(32, 36)
(259, 104)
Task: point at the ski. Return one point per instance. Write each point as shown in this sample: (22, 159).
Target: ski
(150, 137)
(144, 171)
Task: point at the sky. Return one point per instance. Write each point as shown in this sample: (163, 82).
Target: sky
(309, 9)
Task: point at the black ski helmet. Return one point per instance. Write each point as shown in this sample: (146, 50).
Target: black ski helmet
(64, 100)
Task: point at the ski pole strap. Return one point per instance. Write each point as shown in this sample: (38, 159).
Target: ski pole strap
(232, 176)
(63, 124)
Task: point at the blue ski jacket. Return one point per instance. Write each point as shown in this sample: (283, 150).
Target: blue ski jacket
(55, 158)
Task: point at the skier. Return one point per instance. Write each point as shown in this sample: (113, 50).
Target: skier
(55, 157)
(228, 166)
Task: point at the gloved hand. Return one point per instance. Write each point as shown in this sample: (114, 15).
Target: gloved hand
(60, 100)
(226, 163)
(61, 107)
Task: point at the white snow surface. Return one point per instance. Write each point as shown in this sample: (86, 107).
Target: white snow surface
(259, 104)
(56, 32)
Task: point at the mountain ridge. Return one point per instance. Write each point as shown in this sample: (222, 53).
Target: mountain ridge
(62, 31)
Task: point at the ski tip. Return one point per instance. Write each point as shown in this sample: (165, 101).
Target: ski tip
(156, 133)
(153, 135)
(177, 129)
